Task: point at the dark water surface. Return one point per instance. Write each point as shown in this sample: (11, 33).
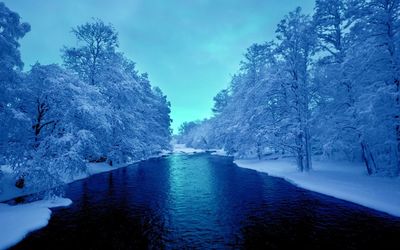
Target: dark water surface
(207, 202)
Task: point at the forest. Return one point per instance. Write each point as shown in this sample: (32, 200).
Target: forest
(327, 87)
(95, 107)
(298, 148)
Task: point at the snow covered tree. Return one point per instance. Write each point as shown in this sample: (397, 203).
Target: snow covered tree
(296, 47)
(328, 86)
(372, 67)
(358, 89)
(220, 101)
(11, 30)
(45, 149)
(55, 120)
(384, 27)
(98, 42)
(137, 116)
(332, 20)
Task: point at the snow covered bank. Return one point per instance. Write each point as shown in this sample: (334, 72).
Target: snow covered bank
(8, 190)
(7, 184)
(17, 221)
(219, 152)
(97, 168)
(182, 149)
(347, 181)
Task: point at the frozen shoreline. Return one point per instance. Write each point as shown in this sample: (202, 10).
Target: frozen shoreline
(342, 180)
(8, 191)
(17, 221)
(182, 149)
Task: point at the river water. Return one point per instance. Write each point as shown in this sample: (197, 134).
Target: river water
(206, 202)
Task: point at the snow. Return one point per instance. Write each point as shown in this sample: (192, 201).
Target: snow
(343, 180)
(97, 168)
(182, 149)
(7, 187)
(17, 221)
(8, 190)
(219, 152)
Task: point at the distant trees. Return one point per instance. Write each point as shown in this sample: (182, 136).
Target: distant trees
(196, 133)
(328, 86)
(98, 108)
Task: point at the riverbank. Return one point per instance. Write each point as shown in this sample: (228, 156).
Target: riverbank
(210, 200)
(8, 190)
(16, 221)
(182, 149)
(342, 180)
(19, 220)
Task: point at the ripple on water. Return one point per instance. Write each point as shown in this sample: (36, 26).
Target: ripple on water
(203, 201)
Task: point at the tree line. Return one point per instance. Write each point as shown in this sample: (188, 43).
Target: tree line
(326, 87)
(95, 107)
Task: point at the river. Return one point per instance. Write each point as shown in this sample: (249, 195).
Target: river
(206, 202)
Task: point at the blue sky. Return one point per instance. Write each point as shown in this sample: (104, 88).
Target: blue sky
(190, 48)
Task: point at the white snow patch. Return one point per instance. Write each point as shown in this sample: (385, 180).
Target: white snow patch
(17, 221)
(182, 149)
(343, 180)
(219, 152)
(97, 168)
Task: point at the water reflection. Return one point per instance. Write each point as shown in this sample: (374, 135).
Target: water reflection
(202, 202)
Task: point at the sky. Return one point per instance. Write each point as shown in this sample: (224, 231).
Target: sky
(189, 48)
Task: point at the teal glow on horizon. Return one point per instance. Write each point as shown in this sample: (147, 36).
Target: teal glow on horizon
(189, 48)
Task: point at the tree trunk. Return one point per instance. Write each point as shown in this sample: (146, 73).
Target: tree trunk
(308, 163)
(300, 161)
(391, 47)
(259, 151)
(300, 152)
(368, 158)
(397, 121)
